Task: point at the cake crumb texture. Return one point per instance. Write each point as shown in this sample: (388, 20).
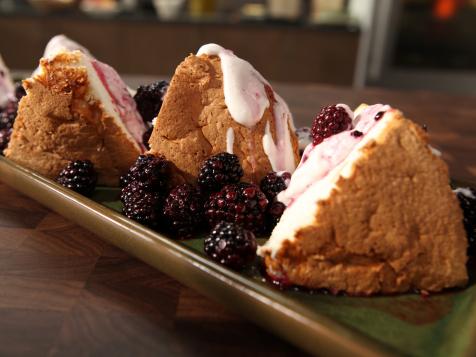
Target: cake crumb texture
(59, 120)
(393, 226)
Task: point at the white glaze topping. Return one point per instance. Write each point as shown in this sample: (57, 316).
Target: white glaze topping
(243, 86)
(230, 140)
(246, 99)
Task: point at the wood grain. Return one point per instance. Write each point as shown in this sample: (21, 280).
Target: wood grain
(324, 54)
(63, 291)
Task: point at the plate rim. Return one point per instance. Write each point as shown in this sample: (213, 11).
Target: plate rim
(309, 326)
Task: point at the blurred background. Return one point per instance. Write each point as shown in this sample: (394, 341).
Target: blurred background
(412, 44)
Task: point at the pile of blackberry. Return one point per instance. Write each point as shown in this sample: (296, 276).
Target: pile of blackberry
(234, 207)
(144, 189)
(234, 210)
(79, 176)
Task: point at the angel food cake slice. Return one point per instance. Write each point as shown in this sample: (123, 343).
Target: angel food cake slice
(370, 210)
(218, 102)
(76, 108)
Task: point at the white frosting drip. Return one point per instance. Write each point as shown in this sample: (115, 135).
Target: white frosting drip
(465, 191)
(7, 89)
(243, 86)
(230, 140)
(269, 147)
(246, 99)
(283, 159)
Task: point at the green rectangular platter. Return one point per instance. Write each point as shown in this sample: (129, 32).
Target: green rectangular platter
(438, 325)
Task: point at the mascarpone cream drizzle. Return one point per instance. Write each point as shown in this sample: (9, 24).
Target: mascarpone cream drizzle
(230, 140)
(246, 99)
(318, 160)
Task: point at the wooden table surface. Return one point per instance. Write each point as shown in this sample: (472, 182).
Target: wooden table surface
(65, 292)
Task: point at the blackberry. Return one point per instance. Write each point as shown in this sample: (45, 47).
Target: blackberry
(219, 170)
(273, 215)
(149, 99)
(183, 211)
(151, 171)
(5, 135)
(79, 176)
(231, 245)
(241, 203)
(273, 183)
(19, 91)
(141, 205)
(467, 200)
(8, 115)
(146, 137)
(330, 121)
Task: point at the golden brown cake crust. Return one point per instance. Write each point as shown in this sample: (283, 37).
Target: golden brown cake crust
(194, 119)
(393, 226)
(59, 121)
